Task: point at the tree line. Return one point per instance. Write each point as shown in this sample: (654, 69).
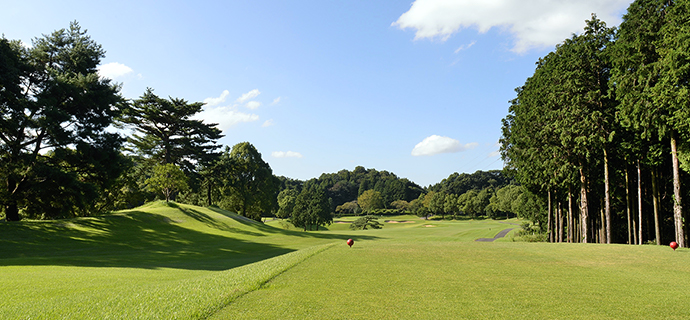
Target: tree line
(368, 191)
(60, 158)
(600, 132)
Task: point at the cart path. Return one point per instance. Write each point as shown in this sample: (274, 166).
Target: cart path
(501, 234)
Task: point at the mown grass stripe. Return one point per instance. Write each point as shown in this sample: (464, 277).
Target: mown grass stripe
(273, 268)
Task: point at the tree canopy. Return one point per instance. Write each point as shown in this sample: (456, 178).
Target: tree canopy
(54, 109)
(168, 134)
(250, 187)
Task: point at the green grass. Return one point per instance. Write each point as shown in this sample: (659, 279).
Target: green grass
(419, 278)
(159, 261)
(183, 262)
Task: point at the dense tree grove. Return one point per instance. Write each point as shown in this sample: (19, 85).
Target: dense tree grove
(56, 157)
(599, 132)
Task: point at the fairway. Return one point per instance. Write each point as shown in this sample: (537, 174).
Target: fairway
(185, 262)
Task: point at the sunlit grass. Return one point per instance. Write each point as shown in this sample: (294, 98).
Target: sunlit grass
(414, 278)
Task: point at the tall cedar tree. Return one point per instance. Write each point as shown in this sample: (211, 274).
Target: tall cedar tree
(54, 109)
(635, 75)
(672, 93)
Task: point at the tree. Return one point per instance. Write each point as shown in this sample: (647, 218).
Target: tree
(401, 205)
(370, 200)
(54, 109)
(468, 203)
(348, 207)
(167, 178)
(312, 208)
(168, 134)
(450, 204)
(250, 186)
(436, 202)
(418, 208)
(367, 221)
(503, 198)
(643, 108)
(672, 94)
(286, 203)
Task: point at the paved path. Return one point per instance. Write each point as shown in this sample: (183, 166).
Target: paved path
(501, 234)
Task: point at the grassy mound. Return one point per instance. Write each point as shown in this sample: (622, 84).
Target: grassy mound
(162, 260)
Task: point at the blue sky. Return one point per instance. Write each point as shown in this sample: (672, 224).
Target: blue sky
(415, 88)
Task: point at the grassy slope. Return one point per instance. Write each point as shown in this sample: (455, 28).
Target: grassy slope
(441, 273)
(157, 261)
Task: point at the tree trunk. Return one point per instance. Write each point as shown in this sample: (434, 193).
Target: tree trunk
(549, 228)
(570, 215)
(560, 223)
(208, 195)
(584, 211)
(12, 211)
(639, 201)
(602, 229)
(607, 198)
(627, 204)
(11, 208)
(634, 224)
(655, 197)
(677, 204)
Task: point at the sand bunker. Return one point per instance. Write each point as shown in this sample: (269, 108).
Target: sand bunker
(341, 222)
(395, 221)
(428, 226)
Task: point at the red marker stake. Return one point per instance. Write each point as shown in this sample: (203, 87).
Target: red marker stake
(350, 242)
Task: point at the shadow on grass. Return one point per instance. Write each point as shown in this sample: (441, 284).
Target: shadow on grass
(138, 239)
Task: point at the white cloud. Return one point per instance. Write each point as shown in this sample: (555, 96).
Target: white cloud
(225, 117)
(286, 154)
(113, 70)
(437, 144)
(533, 23)
(275, 101)
(465, 46)
(268, 123)
(494, 154)
(216, 101)
(253, 104)
(249, 95)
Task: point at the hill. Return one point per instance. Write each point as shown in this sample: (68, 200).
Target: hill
(161, 260)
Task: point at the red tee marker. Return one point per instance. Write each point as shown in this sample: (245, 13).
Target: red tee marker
(350, 242)
(673, 245)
